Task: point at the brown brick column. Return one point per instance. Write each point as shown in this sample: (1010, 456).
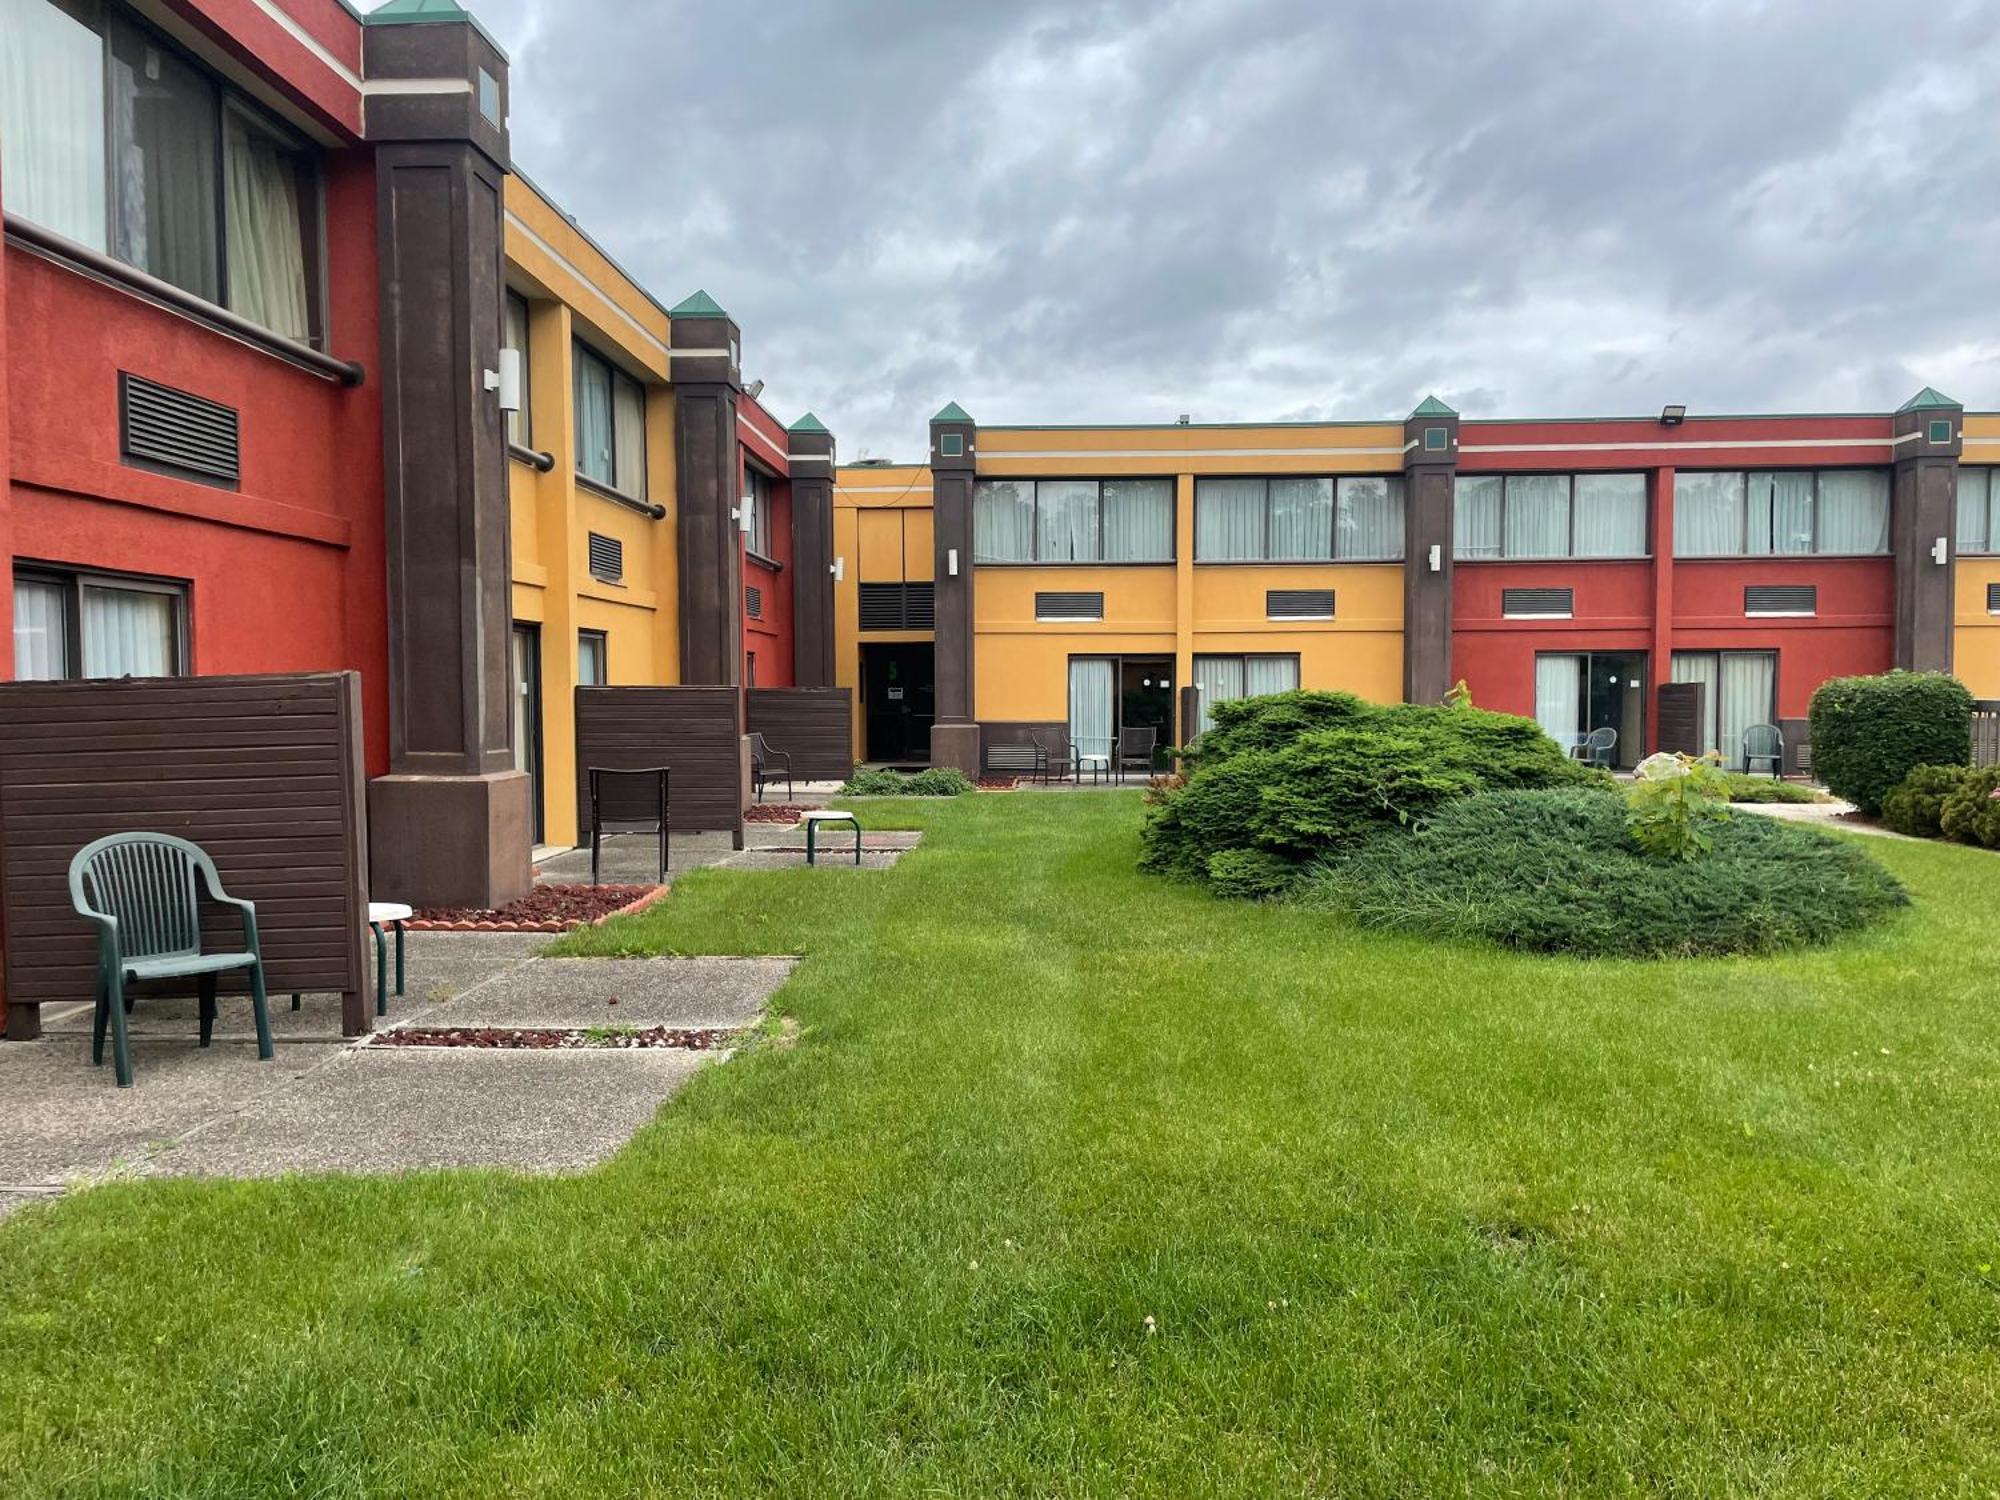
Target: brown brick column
(1923, 526)
(955, 733)
(452, 824)
(708, 476)
(1430, 467)
(810, 448)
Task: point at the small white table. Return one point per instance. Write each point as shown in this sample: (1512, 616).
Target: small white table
(381, 915)
(813, 820)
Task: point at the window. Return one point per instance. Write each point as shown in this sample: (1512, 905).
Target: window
(1073, 520)
(71, 625)
(1222, 679)
(1978, 510)
(593, 656)
(113, 137)
(750, 669)
(1581, 694)
(1355, 519)
(1549, 515)
(610, 425)
(757, 504)
(514, 335)
(1740, 688)
(1781, 513)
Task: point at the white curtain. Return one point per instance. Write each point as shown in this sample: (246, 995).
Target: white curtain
(525, 707)
(164, 130)
(1228, 520)
(514, 335)
(267, 261)
(1003, 520)
(1301, 519)
(1066, 520)
(52, 120)
(1559, 697)
(1854, 511)
(1975, 532)
(128, 633)
(1537, 515)
(1371, 518)
(1708, 514)
(628, 436)
(1610, 515)
(590, 652)
(1091, 709)
(1217, 679)
(1701, 667)
(1264, 675)
(1476, 515)
(1748, 696)
(592, 383)
(41, 632)
(1780, 508)
(1138, 520)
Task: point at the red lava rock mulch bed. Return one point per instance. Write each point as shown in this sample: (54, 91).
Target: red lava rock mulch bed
(997, 783)
(544, 1039)
(775, 812)
(546, 908)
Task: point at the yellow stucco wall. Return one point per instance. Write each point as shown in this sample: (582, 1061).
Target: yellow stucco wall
(1976, 640)
(574, 292)
(881, 533)
(1094, 452)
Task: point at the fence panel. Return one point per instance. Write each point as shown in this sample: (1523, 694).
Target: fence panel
(696, 732)
(1986, 732)
(815, 726)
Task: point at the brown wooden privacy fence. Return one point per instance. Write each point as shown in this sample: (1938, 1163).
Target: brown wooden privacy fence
(265, 773)
(696, 732)
(815, 726)
(1986, 732)
(1682, 713)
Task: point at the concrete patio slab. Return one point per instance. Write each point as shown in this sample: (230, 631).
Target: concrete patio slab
(825, 859)
(390, 1109)
(68, 1120)
(577, 992)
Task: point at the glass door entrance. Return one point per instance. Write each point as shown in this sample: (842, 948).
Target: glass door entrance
(1578, 694)
(526, 657)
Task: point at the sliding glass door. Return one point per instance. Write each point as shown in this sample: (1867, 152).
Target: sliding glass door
(1740, 688)
(1093, 706)
(1580, 693)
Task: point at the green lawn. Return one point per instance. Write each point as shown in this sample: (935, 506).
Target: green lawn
(1405, 1220)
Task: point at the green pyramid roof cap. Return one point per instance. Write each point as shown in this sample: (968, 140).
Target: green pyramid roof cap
(427, 12)
(808, 423)
(1430, 406)
(952, 412)
(1925, 399)
(700, 305)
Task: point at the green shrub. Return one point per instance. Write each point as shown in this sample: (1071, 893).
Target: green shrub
(1251, 875)
(1971, 811)
(938, 781)
(1868, 733)
(1916, 805)
(1743, 787)
(1675, 804)
(1555, 872)
(1297, 774)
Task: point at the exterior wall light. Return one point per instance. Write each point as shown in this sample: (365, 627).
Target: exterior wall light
(1673, 416)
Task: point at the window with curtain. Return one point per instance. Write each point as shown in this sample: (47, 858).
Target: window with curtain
(1223, 679)
(1740, 689)
(1092, 711)
(1073, 520)
(1978, 498)
(514, 335)
(1781, 513)
(610, 424)
(1535, 522)
(1475, 526)
(592, 656)
(1304, 519)
(1608, 515)
(88, 625)
(1548, 516)
(1559, 696)
(114, 137)
(757, 501)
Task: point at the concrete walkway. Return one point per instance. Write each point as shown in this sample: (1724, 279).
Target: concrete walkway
(766, 846)
(1830, 814)
(328, 1105)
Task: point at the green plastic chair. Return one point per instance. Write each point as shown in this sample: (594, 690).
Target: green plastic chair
(138, 889)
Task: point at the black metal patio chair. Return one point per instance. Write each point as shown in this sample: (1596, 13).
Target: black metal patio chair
(765, 766)
(624, 802)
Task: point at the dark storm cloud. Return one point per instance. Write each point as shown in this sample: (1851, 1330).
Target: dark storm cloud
(1290, 208)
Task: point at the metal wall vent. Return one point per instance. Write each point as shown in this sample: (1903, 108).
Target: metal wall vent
(898, 606)
(1538, 604)
(753, 601)
(1993, 598)
(1298, 604)
(186, 434)
(607, 558)
(1066, 604)
(1781, 599)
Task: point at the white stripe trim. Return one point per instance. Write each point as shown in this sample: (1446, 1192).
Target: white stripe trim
(699, 353)
(913, 487)
(1987, 440)
(808, 458)
(514, 221)
(1004, 455)
(311, 43)
(744, 429)
(378, 86)
(1719, 444)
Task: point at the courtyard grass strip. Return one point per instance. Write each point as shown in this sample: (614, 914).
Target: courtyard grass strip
(1070, 1180)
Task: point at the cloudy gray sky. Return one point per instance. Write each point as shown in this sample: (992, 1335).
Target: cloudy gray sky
(1241, 209)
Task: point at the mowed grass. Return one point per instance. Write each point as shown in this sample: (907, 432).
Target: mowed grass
(1076, 1182)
